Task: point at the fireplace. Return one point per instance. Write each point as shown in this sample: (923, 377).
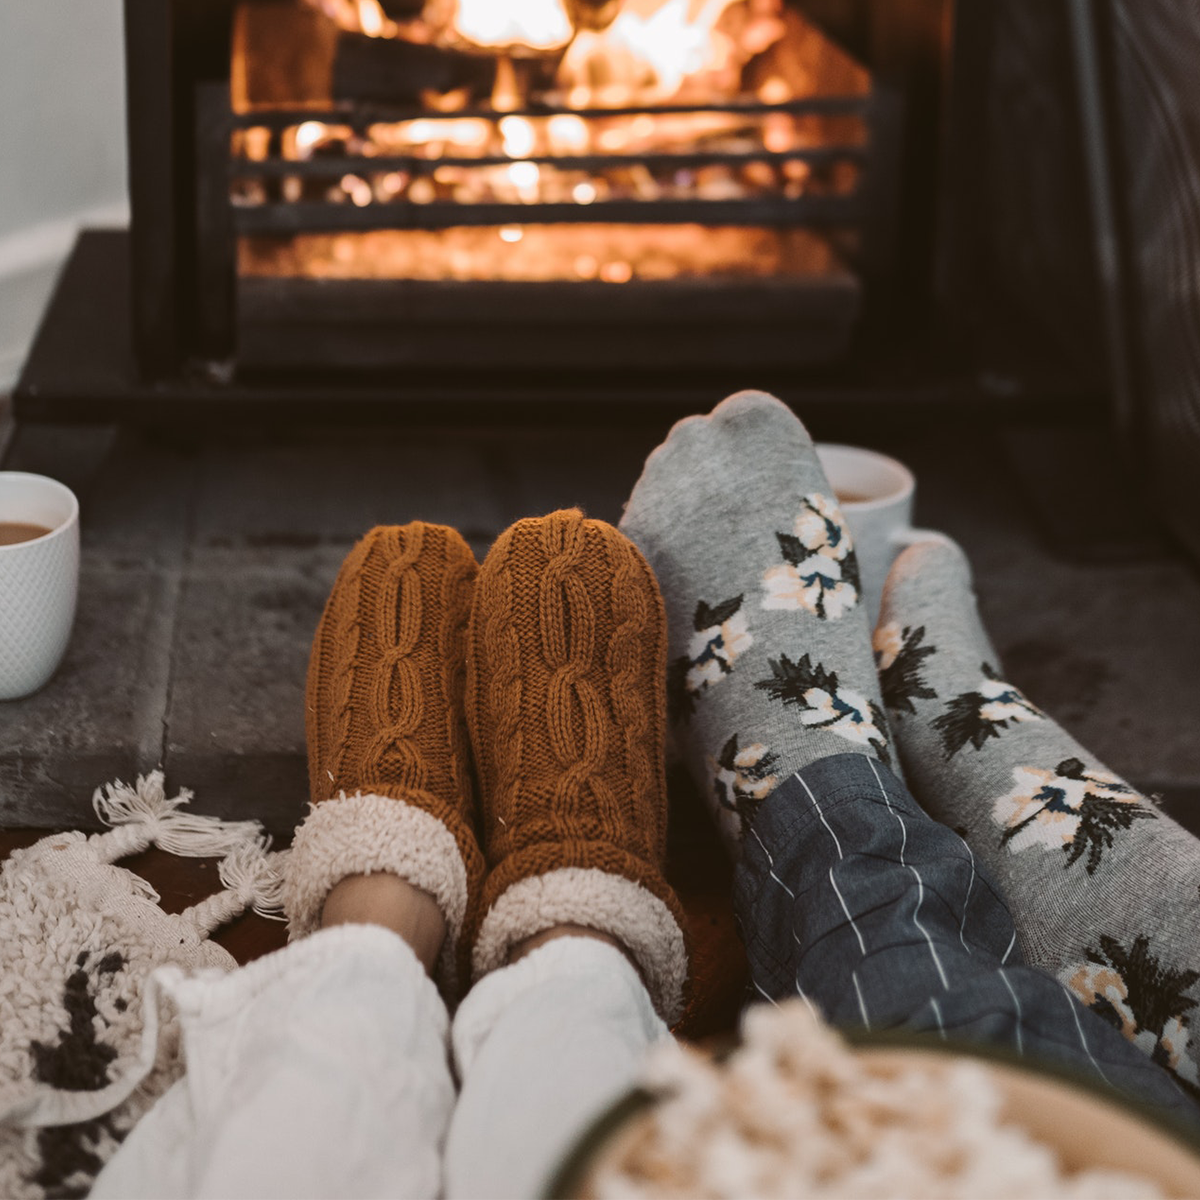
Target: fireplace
(386, 188)
(699, 180)
(366, 207)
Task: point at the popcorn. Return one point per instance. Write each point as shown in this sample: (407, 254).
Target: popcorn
(794, 1111)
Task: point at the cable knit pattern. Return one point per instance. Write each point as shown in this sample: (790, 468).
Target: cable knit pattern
(566, 665)
(347, 635)
(385, 721)
(632, 612)
(458, 587)
(395, 696)
(492, 608)
(574, 709)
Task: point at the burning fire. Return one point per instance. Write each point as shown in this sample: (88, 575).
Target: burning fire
(652, 52)
(653, 46)
(537, 25)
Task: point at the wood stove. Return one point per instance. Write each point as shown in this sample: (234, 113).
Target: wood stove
(698, 181)
(347, 207)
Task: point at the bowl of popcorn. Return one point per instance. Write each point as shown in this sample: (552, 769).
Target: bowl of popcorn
(795, 1110)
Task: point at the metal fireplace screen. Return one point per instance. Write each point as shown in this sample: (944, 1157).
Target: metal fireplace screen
(387, 187)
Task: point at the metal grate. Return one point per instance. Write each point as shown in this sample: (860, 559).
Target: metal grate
(273, 214)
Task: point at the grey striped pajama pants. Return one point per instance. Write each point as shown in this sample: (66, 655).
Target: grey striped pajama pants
(851, 897)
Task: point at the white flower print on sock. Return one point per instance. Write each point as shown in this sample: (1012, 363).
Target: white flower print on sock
(1144, 997)
(720, 637)
(819, 573)
(1101, 984)
(1003, 702)
(814, 585)
(713, 650)
(742, 779)
(981, 714)
(1070, 807)
(822, 528)
(824, 703)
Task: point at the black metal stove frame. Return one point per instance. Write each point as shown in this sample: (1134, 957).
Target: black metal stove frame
(184, 271)
(865, 216)
(879, 111)
(143, 324)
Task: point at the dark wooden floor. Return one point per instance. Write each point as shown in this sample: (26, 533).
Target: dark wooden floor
(697, 868)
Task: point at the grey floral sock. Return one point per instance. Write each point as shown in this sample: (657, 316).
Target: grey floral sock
(1104, 888)
(770, 661)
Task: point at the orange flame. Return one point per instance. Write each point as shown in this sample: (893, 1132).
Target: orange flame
(538, 25)
(653, 45)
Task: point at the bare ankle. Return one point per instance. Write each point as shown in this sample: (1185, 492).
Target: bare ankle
(394, 903)
(527, 945)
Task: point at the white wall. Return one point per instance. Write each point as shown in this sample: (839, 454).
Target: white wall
(62, 148)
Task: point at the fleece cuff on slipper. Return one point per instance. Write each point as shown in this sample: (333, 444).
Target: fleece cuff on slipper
(599, 900)
(366, 834)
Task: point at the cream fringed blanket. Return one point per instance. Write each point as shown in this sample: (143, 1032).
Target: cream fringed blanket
(85, 1048)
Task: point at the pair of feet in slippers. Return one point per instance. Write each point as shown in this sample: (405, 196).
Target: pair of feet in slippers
(496, 734)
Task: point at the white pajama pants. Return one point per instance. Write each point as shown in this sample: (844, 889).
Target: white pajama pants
(328, 1069)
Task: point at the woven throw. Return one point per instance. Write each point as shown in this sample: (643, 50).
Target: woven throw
(85, 1046)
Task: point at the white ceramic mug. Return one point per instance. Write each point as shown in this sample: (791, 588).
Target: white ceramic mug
(39, 581)
(875, 494)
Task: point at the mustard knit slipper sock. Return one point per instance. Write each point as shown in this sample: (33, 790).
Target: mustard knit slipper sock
(566, 705)
(388, 759)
